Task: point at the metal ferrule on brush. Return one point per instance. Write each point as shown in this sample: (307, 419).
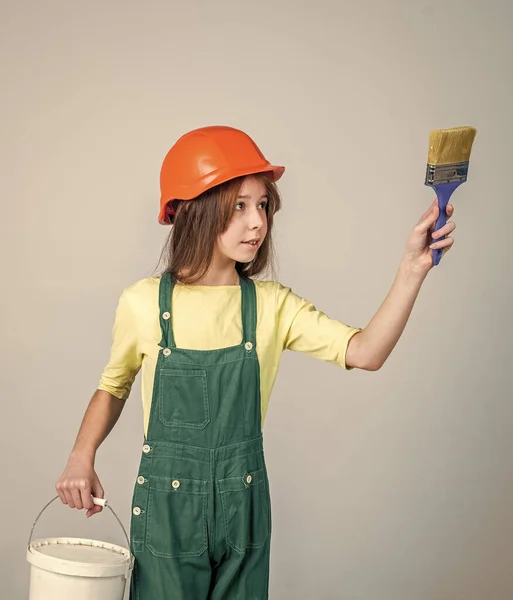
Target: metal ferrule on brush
(438, 174)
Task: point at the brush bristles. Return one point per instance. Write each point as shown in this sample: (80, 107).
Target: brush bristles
(447, 146)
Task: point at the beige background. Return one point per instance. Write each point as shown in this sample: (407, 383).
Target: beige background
(395, 485)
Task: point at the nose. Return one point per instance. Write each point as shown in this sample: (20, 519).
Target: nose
(256, 218)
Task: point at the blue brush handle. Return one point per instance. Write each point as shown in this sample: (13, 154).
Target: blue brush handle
(443, 192)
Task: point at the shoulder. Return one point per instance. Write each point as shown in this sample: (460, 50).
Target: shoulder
(266, 289)
(264, 286)
(281, 295)
(144, 286)
(142, 293)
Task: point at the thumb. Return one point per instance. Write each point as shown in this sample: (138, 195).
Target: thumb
(98, 492)
(428, 219)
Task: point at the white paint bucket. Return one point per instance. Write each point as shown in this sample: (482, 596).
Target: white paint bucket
(78, 569)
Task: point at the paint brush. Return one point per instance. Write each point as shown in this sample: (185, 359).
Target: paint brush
(447, 168)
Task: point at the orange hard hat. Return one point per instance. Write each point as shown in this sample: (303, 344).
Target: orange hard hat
(204, 158)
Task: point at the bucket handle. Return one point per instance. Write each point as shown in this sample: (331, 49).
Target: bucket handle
(97, 501)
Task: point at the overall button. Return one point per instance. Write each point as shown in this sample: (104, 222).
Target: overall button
(146, 448)
(249, 479)
(166, 316)
(136, 511)
(248, 346)
(166, 352)
(176, 484)
(140, 480)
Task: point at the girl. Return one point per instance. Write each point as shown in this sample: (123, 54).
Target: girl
(209, 337)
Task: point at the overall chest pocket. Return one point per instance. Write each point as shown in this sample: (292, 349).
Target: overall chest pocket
(177, 517)
(183, 398)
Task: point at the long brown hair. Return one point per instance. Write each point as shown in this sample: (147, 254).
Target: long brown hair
(189, 248)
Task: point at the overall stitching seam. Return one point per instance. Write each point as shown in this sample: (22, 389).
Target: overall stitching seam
(219, 461)
(212, 496)
(181, 445)
(221, 362)
(173, 491)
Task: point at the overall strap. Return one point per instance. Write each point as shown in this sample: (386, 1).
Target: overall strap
(165, 294)
(249, 310)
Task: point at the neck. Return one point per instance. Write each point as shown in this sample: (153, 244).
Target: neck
(212, 278)
(220, 274)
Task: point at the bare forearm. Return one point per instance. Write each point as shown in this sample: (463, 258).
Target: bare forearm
(101, 415)
(370, 348)
(374, 344)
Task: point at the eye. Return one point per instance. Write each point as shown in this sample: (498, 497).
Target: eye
(264, 204)
(241, 204)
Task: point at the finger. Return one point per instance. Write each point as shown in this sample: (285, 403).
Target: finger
(85, 496)
(449, 211)
(67, 494)
(447, 243)
(77, 499)
(98, 493)
(69, 497)
(60, 491)
(98, 489)
(94, 511)
(428, 221)
(429, 211)
(445, 230)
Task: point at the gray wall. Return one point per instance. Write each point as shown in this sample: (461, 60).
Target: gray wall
(394, 485)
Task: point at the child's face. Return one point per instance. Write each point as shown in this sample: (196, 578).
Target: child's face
(249, 222)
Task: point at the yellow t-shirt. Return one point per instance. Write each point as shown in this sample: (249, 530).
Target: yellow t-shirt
(209, 317)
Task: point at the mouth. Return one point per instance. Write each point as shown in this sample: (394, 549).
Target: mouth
(254, 243)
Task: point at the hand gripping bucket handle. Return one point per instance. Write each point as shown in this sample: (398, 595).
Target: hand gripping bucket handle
(99, 502)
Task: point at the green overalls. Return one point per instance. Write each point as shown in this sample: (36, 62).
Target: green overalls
(201, 517)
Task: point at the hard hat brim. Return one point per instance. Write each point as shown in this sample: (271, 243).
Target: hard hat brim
(210, 181)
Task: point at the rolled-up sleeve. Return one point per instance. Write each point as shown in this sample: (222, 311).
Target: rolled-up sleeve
(125, 358)
(305, 329)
